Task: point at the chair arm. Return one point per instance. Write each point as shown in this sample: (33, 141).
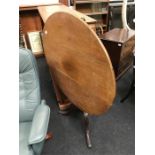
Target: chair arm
(39, 124)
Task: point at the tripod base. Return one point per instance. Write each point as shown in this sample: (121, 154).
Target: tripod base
(87, 130)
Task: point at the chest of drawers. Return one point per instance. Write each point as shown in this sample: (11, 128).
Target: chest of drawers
(120, 44)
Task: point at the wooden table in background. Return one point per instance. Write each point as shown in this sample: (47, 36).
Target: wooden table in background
(46, 11)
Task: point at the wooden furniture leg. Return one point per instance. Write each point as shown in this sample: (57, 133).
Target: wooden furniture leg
(87, 131)
(63, 103)
(49, 136)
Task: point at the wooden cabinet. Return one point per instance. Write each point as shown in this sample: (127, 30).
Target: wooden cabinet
(31, 21)
(97, 9)
(120, 44)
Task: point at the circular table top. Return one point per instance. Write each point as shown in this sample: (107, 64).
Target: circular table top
(80, 63)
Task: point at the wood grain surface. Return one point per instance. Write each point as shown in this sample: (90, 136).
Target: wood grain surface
(119, 35)
(46, 11)
(80, 63)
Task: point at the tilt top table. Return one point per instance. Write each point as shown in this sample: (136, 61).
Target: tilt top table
(79, 61)
(80, 67)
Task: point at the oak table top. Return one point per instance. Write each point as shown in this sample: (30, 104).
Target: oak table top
(80, 63)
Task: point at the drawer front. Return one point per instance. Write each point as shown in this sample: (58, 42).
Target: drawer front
(125, 63)
(128, 47)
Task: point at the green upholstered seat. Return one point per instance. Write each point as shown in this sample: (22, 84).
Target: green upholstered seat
(33, 112)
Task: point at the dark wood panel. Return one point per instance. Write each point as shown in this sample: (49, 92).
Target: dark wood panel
(120, 44)
(31, 21)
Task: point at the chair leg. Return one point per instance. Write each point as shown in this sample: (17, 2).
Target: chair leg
(49, 136)
(87, 131)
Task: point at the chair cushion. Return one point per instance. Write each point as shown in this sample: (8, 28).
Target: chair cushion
(29, 94)
(24, 131)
